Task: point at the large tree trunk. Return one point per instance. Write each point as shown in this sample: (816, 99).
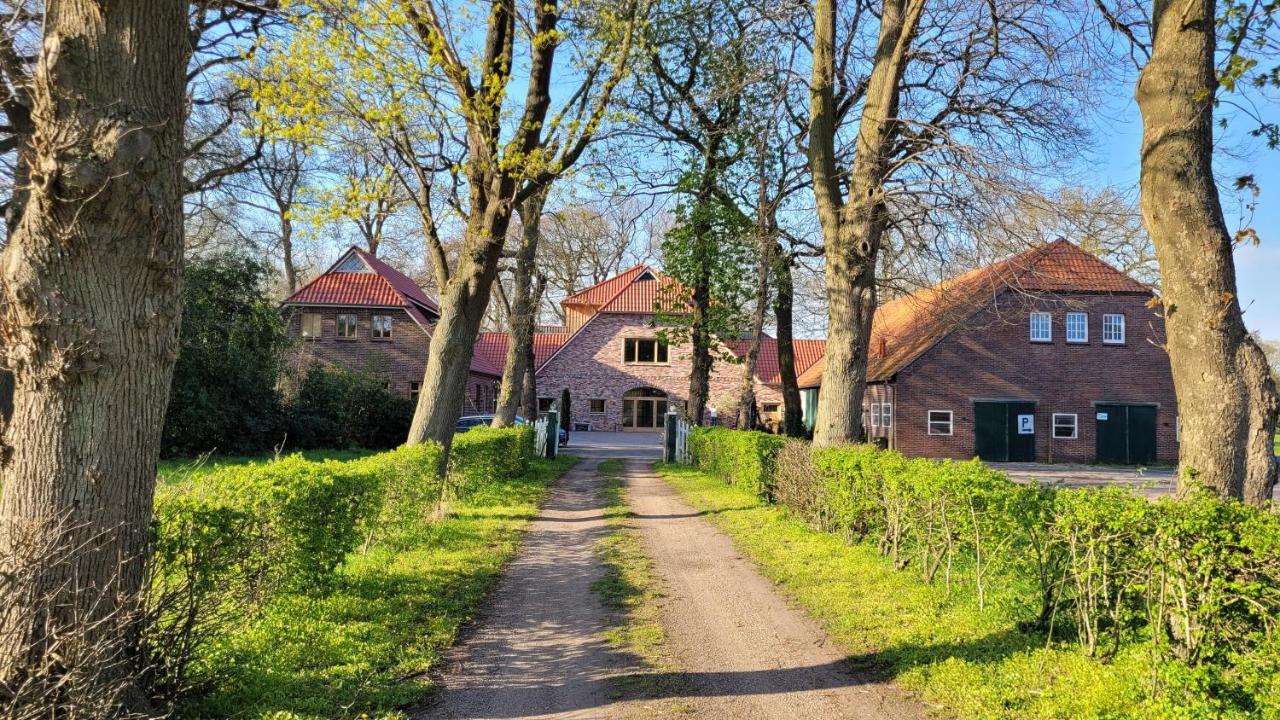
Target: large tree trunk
(91, 306)
(792, 417)
(852, 229)
(1227, 398)
(529, 389)
(523, 314)
(462, 306)
(286, 250)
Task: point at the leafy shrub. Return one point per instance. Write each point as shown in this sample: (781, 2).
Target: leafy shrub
(223, 396)
(484, 454)
(335, 407)
(410, 489)
(1198, 578)
(739, 457)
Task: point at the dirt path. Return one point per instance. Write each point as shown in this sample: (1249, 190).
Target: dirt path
(744, 652)
(539, 651)
(738, 650)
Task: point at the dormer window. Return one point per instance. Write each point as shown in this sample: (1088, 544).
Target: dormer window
(645, 275)
(1041, 327)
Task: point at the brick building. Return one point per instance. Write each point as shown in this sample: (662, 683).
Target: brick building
(1050, 355)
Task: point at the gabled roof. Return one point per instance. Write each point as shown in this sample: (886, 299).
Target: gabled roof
(768, 370)
(903, 329)
(380, 286)
(491, 350)
(634, 290)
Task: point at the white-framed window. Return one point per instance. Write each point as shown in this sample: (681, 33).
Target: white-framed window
(1066, 426)
(1113, 329)
(597, 406)
(875, 414)
(311, 326)
(381, 327)
(886, 414)
(1041, 327)
(1077, 327)
(644, 351)
(939, 422)
(347, 327)
(546, 404)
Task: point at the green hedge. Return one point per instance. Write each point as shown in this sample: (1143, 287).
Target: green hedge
(739, 457)
(229, 542)
(1195, 579)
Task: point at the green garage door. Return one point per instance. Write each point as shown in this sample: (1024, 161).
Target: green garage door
(997, 434)
(1126, 434)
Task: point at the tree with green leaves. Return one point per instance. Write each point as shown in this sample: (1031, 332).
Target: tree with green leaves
(709, 253)
(435, 86)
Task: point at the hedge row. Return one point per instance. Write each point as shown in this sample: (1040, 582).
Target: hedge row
(227, 542)
(1198, 579)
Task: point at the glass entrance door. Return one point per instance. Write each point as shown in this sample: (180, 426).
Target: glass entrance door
(643, 409)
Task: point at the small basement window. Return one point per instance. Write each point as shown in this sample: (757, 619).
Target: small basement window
(1077, 327)
(1113, 329)
(1065, 426)
(311, 326)
(381, 327)
(644, 351)
(414, 388)
(597, 406)
(1041, 327)
(347, 327)
(771, 408)
(939, 422)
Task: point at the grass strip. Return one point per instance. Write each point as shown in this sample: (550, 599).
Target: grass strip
(364, 650)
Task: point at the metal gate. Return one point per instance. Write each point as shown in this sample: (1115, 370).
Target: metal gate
(676, 436)
(546, 434)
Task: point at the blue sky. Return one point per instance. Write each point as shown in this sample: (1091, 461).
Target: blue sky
(1116, 163)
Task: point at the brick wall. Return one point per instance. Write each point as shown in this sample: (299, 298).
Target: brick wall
(402, 359)
(992, 358)
(591, 366)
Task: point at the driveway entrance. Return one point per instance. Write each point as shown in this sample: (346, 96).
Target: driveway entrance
(647, 446)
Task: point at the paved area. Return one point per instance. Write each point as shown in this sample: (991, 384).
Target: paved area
(646, 445)
(1150, 482)
(742, 650)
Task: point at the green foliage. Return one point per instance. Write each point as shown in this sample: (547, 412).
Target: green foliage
(301, 587)
(741, 458)
(710, 249)
(1191, 585)
(223, 395)
(338, 407)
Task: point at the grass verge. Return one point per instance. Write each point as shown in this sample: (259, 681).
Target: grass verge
(631, 589)
(364, 649)
(972, 663)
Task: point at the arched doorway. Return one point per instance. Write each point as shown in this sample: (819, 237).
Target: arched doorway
(643, 409)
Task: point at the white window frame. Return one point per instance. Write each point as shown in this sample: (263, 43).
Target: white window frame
(875, 414)
(355, 326)
(886, 415)
(1075, 426)
(1048, 326)
(1084, 325)
(950, 421)
(319, 322)
(1113, 340)
(591, 406)
(373, 327)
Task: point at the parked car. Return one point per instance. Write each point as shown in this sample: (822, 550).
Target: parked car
(466, 422)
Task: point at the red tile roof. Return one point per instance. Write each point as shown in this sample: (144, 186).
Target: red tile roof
(602, 292)
(903, 329)
(768, 371)
(384, 286)
(491, 350)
